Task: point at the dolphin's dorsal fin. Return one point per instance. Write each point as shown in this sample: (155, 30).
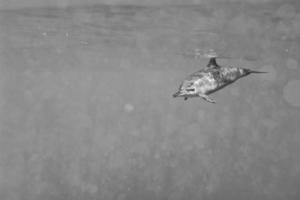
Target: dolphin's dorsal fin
(212, 63)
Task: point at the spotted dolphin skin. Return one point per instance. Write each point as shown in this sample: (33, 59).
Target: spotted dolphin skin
(210, 79)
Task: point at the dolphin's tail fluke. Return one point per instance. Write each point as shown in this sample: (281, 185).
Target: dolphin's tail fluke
(176, 94)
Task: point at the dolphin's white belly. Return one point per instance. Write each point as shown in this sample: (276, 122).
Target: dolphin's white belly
(206, 84)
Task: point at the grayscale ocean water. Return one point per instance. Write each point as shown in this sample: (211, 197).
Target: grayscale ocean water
(87, 110)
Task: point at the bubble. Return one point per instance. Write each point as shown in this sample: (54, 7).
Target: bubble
(291, 63)
(296, 24)
(128, 107)
(286, 11)
(291, 93)
(283, 29)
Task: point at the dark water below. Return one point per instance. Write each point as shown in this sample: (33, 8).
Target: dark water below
(87, 109)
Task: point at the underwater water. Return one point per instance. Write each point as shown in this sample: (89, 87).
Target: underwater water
(87, 109)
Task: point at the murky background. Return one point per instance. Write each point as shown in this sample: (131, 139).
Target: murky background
(87, 109)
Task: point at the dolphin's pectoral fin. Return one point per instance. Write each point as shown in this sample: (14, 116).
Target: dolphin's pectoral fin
(207, 98)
